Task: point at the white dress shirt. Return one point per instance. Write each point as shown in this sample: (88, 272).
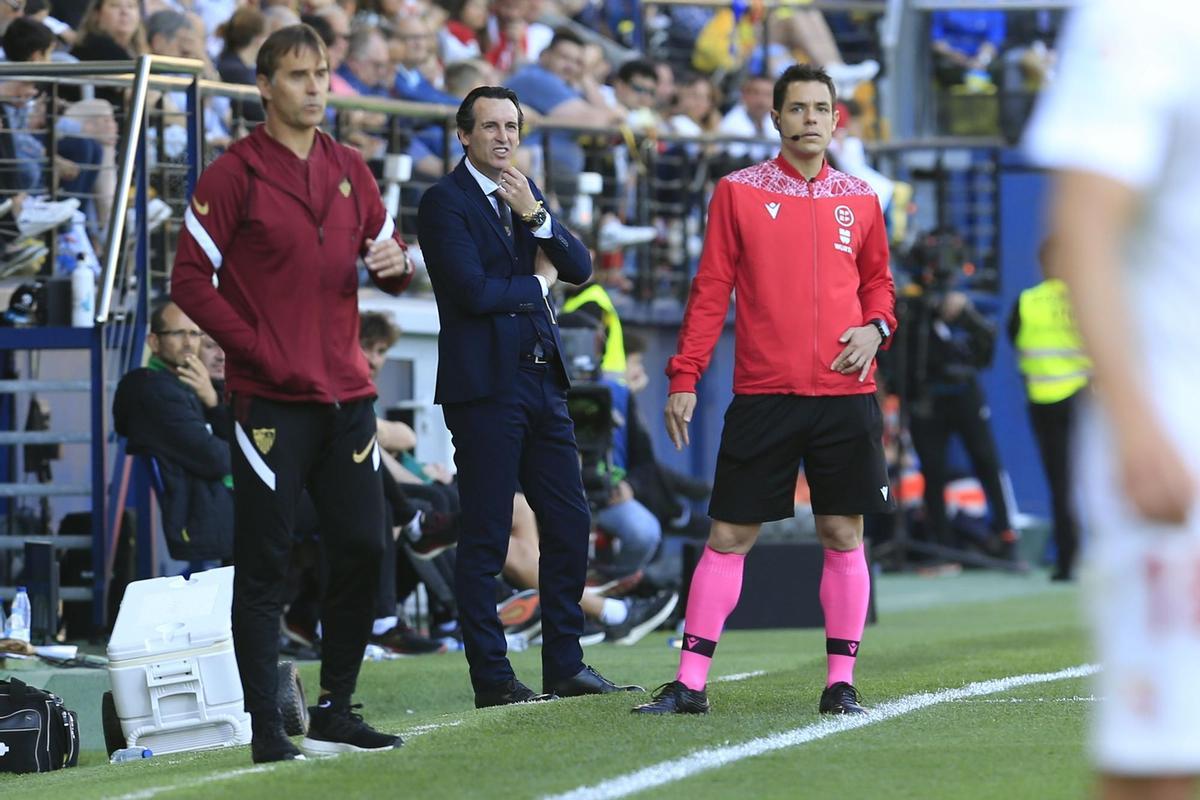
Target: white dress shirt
(489, 187)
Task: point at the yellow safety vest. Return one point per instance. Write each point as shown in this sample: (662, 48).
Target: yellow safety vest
(1049, 350)
(614, 348)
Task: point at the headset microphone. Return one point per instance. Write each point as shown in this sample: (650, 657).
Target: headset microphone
(797, 137)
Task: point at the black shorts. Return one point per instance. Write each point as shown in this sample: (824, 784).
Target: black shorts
(766, 436)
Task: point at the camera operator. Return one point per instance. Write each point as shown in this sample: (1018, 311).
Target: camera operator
(946, 342)
(604, 448)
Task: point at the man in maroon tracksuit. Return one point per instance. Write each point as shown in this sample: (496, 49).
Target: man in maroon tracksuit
(280, 221)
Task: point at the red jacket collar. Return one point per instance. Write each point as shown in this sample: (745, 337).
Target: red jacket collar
(788, 169)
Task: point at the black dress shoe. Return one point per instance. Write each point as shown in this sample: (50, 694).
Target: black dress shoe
(505, 694)
(586, 681)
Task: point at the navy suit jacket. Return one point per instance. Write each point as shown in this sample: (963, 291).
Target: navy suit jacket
(483, 280)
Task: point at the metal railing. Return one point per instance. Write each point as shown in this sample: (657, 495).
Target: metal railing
(111, 343)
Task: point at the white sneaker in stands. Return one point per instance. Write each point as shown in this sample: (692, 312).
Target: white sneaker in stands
(39, 215)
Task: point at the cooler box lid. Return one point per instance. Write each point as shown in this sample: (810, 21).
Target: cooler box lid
(166, 615)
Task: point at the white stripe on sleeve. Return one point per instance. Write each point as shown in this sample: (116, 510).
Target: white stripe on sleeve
(202, 238)
(389, 227)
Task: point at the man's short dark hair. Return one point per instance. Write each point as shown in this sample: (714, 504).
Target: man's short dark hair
(802, 73)
(24, 37)
(376, 326)
(158, 314)
(292, 39)
(566, 35)
(637, 68)
(465, 118)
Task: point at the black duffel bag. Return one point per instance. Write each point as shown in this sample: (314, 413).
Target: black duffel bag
(37, 732)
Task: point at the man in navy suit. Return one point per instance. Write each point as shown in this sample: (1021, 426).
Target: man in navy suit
(493, 253)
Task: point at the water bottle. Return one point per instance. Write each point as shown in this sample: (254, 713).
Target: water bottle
(127, 754)
(83, 294)
(19, 620)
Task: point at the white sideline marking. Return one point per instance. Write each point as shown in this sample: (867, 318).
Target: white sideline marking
(739, 676)
(419, 730)
(712, 758)
(1002, 701)
(154, 791)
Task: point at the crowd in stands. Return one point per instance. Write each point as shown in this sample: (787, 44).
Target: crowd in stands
(574, 65)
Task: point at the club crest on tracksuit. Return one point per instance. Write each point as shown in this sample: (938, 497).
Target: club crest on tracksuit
(264, 439)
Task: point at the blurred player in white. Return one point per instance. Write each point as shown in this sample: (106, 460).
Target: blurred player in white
(1122, 126)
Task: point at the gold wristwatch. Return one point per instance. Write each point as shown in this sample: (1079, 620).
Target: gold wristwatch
(537, 217)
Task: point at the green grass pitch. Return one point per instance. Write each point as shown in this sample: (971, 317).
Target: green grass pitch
(932, 634)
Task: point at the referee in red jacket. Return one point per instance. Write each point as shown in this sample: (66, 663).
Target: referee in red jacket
(805, 248)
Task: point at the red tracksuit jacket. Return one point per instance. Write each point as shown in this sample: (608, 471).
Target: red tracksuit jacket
(282, 237)
(808, 260)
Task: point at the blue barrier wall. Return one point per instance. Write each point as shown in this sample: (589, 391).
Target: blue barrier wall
(1022, 206)
(712, 397)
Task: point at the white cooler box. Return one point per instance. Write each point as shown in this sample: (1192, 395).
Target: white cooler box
(174, 676)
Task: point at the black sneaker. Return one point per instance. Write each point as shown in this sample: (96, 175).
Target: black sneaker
(270, 744)
(841, 698)
(404, 640)
(645, 614)
(439, 532)
(674, 698)
(332, 731)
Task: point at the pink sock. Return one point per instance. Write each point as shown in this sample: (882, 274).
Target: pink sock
(845, 593)
(716, 587)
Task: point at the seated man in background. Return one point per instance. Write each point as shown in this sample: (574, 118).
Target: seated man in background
(424, 524)
(161, 410)
(430, 532)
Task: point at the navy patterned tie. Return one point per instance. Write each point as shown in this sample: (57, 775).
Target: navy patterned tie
(505, 213)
